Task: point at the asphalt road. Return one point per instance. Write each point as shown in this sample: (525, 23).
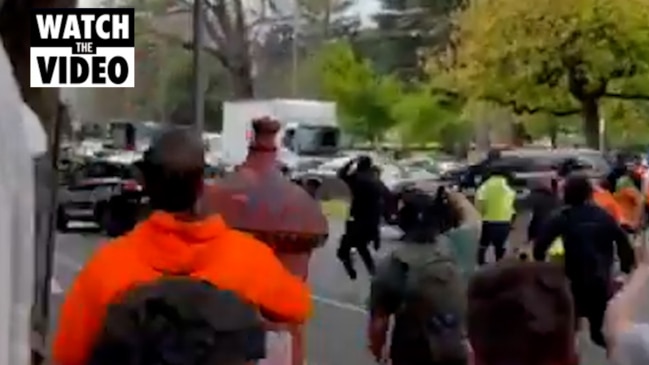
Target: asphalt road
(336, 333)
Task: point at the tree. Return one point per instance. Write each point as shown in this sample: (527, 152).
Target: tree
(560, 57)
(423, 116)
(231, 29)
(626, 122)
(364, 98)
(404, 29)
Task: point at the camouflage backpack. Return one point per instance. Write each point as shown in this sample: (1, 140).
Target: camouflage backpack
(430, 324)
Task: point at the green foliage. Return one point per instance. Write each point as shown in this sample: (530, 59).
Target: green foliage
(371, 104)
(547, 55)
(426, 117)
(364, 98)
(626, 122)
(404, 29)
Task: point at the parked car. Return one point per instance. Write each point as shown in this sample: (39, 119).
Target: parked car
(527, 167)
(104, 192)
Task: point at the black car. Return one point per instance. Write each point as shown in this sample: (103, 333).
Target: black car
(528, 166)
(103, 192)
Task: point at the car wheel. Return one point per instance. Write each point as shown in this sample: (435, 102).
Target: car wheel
(62, 220)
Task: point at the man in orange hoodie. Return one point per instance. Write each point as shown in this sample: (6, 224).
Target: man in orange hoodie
(176, 240)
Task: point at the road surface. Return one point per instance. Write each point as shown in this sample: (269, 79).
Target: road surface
(336, 333)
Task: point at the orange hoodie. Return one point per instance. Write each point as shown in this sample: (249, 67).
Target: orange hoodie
(206, 250)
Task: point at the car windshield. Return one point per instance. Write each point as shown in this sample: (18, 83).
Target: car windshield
(312, 140)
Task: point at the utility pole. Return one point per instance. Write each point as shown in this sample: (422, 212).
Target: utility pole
(199, 80)
(295, 48)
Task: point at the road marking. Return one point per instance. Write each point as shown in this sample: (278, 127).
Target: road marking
(74, 265)
(340, 305)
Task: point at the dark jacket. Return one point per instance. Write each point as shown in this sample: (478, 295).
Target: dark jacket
(543, 203)
(614, 175)
(590, 236)
(368, 195)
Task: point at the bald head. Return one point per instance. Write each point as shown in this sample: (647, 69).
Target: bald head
(174, 168)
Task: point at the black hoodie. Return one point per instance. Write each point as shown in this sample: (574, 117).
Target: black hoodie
(544, 202)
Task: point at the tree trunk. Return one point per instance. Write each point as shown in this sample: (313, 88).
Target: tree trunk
(242, 83)
(590, 113)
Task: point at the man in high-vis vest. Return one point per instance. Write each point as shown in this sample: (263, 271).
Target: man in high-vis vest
(495, 200)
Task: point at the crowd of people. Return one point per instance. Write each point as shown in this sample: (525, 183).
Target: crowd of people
(185, 292)
(590, 232)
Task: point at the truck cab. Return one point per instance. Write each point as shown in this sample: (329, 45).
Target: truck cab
(309, 129)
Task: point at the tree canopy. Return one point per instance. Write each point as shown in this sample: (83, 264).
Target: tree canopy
(364, 97)
(560, 57)
(371, 104)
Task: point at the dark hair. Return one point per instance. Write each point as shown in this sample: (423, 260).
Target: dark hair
(424, 216)
(364, 163)
(578, 190)
(567, 167)
(521, 313)
(177, 321)
(173, 170)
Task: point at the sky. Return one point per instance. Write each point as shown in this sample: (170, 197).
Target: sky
(366, 8)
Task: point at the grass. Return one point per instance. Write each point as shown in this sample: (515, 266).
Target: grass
(336, 209)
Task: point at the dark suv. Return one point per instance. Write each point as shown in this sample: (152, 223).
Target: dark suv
(102, 192)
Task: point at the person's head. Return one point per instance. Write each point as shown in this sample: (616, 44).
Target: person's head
(521, 313)
(567, 167)
(312, 185)
(179, 321)
(431, 213)
(498, 171)
(577, 190)
(174, 169)
(364, 163)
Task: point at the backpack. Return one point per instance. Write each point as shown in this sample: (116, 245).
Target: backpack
(430, 323)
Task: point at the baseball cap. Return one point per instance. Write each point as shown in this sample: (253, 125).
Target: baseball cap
(180, 321)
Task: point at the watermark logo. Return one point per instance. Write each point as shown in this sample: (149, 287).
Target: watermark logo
(82, 48)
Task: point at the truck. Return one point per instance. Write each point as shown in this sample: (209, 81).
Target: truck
(309, 131)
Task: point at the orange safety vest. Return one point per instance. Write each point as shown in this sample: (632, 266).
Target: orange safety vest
(207, 250)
